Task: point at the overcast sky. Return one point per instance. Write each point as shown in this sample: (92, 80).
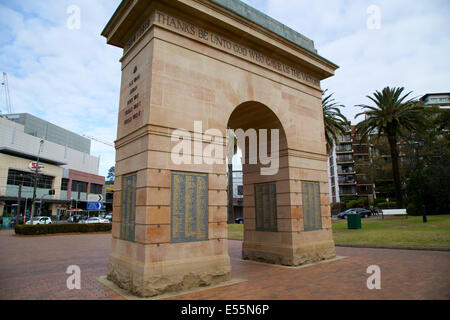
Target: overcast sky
(70, 77)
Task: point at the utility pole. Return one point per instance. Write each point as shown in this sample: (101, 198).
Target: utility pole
(419, 164)
(7, 96)
(19, 200)
(78, 195)
(33, 203)
(415, 146)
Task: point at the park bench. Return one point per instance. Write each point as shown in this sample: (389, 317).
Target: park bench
(394, 212)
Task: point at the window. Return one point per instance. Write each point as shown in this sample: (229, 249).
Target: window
(64, 184)
(364, 188)
(240, 191)
(16, 177)
(79, 186)
(96, 188)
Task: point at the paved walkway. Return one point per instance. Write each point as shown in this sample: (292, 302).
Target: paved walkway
(34, 268)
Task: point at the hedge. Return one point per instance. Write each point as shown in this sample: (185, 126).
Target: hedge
(386, 205)
(62, 228)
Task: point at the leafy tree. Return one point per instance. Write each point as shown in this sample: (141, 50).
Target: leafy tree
(111, 175)
(335, 122)
(434, 159)
(392, 116)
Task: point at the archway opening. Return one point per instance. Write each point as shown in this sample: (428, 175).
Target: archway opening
(264, 196)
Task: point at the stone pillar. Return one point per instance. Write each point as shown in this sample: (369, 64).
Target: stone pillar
(2, 207)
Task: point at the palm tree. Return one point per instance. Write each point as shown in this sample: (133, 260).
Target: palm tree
(392, 115)
(335, 122)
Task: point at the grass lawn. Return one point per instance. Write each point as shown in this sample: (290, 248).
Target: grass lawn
(236, 231)
(395, 231)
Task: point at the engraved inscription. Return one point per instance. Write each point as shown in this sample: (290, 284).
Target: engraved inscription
(230, 46)
(137, 35)
(132, 111)
(189, 207)
(128, 208)
(266, 207)
(312, 218)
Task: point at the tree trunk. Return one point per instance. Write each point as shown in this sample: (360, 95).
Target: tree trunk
(396, 171)
(230, 193)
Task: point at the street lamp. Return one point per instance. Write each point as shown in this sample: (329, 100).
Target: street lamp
(33, 203)
(19, 199)
(420, 143)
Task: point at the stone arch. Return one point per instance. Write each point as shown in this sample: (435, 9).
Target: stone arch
(203, 61)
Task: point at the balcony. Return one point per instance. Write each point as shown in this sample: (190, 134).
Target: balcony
(347, 191)
(348, 180)
(347, 183)
(346, 171)
(345, 159)
(344, 151)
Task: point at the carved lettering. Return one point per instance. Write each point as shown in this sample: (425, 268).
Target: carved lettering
(222, 43)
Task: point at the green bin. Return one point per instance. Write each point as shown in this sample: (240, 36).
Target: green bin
(354, 221)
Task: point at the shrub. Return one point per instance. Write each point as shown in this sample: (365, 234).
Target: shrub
(362, 202)
(62, 228)
(385, 205)
(413, 210)
(337, 207)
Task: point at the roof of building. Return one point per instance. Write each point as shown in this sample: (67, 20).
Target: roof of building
(44, 129)
(434, 94)
(29, 156)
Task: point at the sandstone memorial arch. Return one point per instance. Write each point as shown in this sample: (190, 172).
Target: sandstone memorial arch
(203, 66)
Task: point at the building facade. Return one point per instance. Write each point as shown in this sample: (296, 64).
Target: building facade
(68, 175)
(441, 100)
(348, 167)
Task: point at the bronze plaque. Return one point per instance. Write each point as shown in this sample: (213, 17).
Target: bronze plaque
(312, 217)
(128, 208)
(266, 207)
(189, 207)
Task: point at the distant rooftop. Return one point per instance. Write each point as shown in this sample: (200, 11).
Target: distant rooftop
(48, 131)
(267, 22)
(437, 99)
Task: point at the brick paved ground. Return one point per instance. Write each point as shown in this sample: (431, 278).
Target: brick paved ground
(34, 268)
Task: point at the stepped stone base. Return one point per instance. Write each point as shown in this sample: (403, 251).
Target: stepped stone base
(310, 253)
(142, 282)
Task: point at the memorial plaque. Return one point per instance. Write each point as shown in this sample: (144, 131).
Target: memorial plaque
(312, 218)
(189, 207)
(266, 207)
(128, 208)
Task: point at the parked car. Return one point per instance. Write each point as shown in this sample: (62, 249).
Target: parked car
(40, 220)
(239, 220)
(109, 217)
(364, 213)
(96, 220)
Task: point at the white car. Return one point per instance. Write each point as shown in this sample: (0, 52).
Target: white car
(96, 220)
(40, 220)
